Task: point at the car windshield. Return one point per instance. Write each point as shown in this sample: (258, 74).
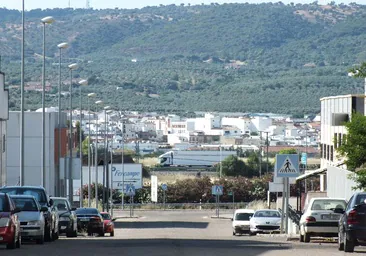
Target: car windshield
(26, 204)
(361, 199)
(38, 194)
(87, 211)
(61, 205)
(106, 216)
(243, 216)
(267, 214)
(328, 204)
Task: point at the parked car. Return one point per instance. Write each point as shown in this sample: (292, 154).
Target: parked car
(9, 223)
(241, 221)
(352, 225)
(67, 217)
(321, 217)
(108, 223)
(31, 217)
(265, 221)
(91, 220)
(51, 216)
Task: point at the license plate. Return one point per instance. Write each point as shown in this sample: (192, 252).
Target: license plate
(330, 217)
(244, 227)
(84, 220)
(63, 227)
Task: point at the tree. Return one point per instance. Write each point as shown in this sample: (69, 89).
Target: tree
(359, 71)
(288, 151)
(232, 166)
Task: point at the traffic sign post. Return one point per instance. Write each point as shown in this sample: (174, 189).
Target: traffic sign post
(130, 191)
(304, 158)
(287, 165)
(217, 190)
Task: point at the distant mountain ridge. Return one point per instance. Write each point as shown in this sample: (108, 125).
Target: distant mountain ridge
(266, 57)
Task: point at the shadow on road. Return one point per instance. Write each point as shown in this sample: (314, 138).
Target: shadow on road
(160, 224)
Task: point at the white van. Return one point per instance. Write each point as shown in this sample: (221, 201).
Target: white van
(240, 221)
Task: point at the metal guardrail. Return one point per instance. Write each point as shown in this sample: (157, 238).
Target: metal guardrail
(293, 215)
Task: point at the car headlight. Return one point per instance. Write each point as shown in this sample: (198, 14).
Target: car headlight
(4, 222)
(109, 224)
(34, 223)
(64, 219)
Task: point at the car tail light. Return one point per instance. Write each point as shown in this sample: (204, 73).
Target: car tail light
(97, 219)
(352, 217)
(310, 219)
(4, 222)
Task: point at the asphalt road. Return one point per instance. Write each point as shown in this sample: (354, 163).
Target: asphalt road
(176, 233)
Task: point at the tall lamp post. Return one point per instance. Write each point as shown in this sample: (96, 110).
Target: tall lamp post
(105, 178)
(110, 183)
(58, 175)
(71, 199)
(81, 83)
(46, 20)
(99, 102)
(89, 159)
(21, 153)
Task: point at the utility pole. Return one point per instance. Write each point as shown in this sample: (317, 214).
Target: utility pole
(267, 145)
(137, 149)
(260, 155)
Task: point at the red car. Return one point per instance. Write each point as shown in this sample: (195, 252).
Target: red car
(9, 223)
(108, 223)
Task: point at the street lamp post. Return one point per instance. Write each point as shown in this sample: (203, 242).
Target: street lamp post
(81, 83)
(109, 193)
(71, 199)
(46, 20)
(21, 153)
(105, 155)
(96, 158)
(89, 159)
(58, 175)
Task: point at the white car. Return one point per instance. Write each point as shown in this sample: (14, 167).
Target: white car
(265, 221)
(32, 222)
(320, 218)
(240, 221)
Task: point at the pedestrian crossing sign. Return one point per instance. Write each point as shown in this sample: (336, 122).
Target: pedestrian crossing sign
(130, 190)
(217, 190)
(287, 165)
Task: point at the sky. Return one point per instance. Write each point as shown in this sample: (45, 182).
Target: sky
(128, 4)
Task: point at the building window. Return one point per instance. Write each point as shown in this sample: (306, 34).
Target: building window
(321, 151)
(331, 153)
(328, 158)
(339, 139)
(335, 140)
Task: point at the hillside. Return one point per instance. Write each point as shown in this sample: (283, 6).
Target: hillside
(230, 57)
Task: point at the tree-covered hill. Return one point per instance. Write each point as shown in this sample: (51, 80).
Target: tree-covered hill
(231, 57)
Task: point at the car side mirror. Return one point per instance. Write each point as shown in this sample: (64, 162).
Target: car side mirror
(51, 202)
(232, 219)
(16, 210)
(114, 219)
(73, 209)
(338, 210)
(44, 209)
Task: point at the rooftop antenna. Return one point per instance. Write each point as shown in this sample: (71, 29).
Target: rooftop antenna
(69, 3)
(87, 4)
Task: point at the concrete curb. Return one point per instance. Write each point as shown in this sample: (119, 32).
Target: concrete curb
(127, 217)
(292, 237)
(223, 217)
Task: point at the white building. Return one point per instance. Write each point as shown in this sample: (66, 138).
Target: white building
(4, 115)
(242, 123)
(32, 148)
(261, 123)
(208, 123)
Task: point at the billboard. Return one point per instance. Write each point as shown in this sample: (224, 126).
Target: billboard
(132, 175)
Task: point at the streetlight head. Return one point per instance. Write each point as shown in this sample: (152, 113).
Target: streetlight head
(73, 66)
(63, 45)
(48, 20)
(109, 111)
(92, 94)
(107, 107)
(83, 82)
(98, 102)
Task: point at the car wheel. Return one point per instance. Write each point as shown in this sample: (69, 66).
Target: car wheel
(252, 233)
(101, 233)
(349, 245)
(234, 234)
(55, 235)
(340, 242)
(307, 237)
(301, 239)
(40, 240)
(112, 233)
(12, 245)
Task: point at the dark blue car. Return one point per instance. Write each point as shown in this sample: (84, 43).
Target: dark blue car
(352, 225)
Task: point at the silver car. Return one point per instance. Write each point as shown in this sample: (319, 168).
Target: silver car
(31, 217)
(265, 221)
